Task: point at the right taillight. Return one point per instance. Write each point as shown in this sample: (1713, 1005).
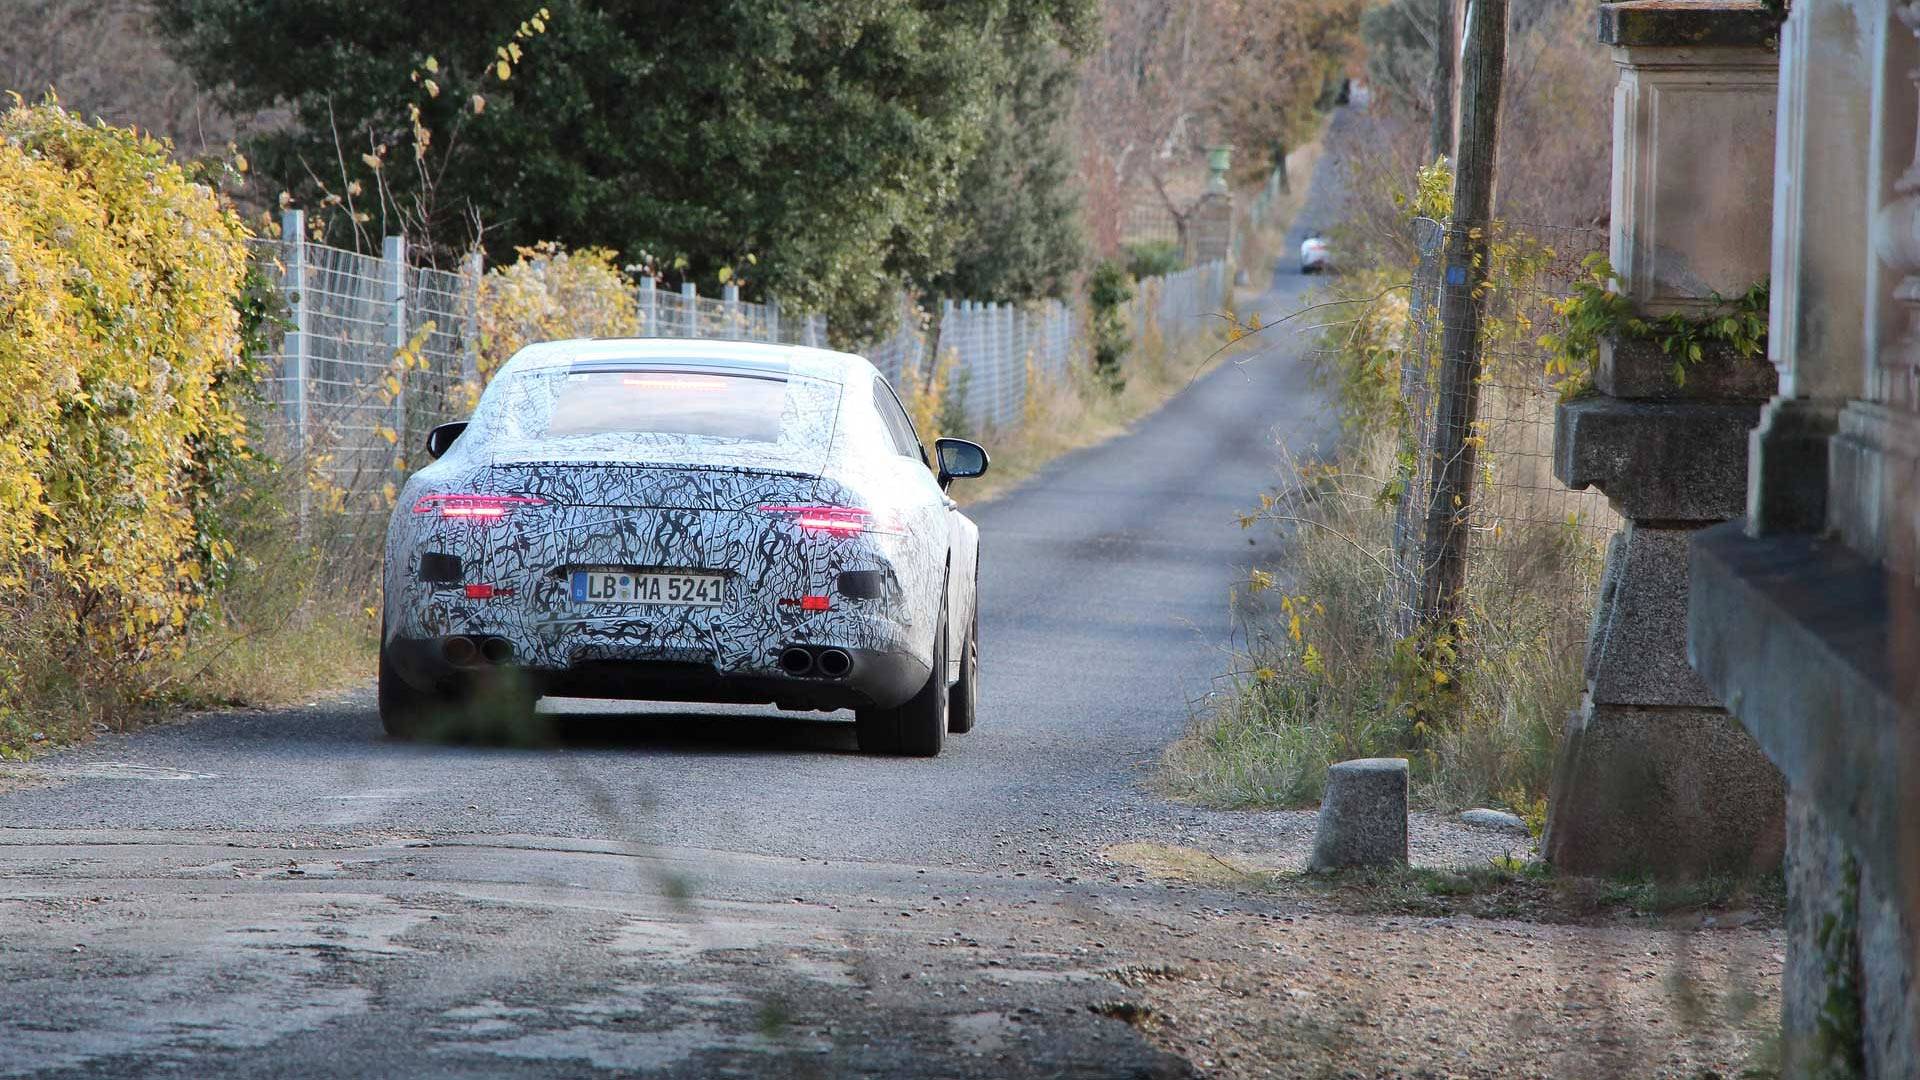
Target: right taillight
(834, 520)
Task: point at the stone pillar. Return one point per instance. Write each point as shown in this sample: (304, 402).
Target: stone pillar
(1820, 197)
(1654, 776)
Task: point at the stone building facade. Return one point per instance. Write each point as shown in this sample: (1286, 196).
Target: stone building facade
(1804, 615)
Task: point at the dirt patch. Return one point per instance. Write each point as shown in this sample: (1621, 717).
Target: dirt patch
(1346, 996)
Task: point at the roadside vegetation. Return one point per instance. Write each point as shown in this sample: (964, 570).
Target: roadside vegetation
(1324, 671)
(133, 331)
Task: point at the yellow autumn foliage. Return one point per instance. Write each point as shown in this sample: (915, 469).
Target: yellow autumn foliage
(119, 277)
(549, 293)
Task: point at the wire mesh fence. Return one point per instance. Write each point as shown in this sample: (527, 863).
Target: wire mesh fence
(988, 355)
(1515, 510)
(984, 354)
(1177, 307)
(376, 352)
(687, 314)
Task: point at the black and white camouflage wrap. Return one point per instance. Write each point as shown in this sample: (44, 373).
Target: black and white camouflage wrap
(665, 503)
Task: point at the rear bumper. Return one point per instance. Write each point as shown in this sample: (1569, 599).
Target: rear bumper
(878, 678)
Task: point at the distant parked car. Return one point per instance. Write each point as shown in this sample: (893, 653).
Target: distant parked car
(1315, 255)
(687, 521)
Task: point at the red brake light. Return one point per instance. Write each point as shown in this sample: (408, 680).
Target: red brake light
(834, 520)
(474, 507)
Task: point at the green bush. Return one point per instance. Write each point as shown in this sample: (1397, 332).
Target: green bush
(1108, 290)
(1154, 258)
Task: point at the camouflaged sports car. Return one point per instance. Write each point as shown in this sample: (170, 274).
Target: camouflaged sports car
(687, 521)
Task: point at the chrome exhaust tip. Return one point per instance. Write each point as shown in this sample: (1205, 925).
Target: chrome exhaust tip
(497, 650)
(795, 660)
(459, 651)
(835, 663)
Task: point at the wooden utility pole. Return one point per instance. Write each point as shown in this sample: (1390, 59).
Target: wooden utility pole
(1440, 135)
(1463, 305)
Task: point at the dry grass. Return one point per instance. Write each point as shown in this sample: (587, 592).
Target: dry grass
(291, 622)
(1338, 684)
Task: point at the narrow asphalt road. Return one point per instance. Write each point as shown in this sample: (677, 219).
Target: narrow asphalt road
(1105, 583)
(671, 890)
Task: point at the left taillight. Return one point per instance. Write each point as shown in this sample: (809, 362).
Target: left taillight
(475, 507)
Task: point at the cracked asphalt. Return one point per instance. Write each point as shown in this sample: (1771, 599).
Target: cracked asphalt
(681, 891)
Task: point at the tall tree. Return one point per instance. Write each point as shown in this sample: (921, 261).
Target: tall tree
(1172, 76)
(1018, 202)
(820, 137)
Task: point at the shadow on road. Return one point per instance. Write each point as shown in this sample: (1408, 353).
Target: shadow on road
(611, 729)
(580, 724)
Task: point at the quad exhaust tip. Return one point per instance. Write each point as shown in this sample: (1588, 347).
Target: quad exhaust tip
(798, 660)
(459, 651)
(462, 651)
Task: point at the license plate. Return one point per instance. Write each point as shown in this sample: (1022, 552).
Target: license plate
(626, 587)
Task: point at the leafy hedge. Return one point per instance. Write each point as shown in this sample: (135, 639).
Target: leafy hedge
(550, 293)
(122, 284)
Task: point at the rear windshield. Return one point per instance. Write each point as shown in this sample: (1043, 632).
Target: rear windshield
(669, 403)
(691, 406)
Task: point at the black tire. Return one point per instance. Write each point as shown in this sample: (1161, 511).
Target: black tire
(403, 709)
(966, 693)
(919, 727)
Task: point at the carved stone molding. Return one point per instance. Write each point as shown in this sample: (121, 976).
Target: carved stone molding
(1896, 240)
(1693, 148)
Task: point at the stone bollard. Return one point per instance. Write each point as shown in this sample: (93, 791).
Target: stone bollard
(1363, 818)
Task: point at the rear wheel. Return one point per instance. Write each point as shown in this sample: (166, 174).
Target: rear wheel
(919, 727)
(404, 710)
(960, 703)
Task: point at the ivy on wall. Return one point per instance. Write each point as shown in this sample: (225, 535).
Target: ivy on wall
(1594, 311)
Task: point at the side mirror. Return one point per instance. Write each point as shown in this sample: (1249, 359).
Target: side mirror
(959, 459)
(440, 439)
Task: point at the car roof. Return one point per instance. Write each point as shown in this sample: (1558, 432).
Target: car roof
(824, 364)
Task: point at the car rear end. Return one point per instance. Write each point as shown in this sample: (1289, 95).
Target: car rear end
(1315, 255)
(709, 563)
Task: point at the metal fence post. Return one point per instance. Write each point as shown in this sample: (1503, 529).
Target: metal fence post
(293, 369)
(393, 288)
(773, 319)
(690, 297)
(1005, 391)
(730, 296)
(1416, 388)
(649, 307)
(472, 272)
